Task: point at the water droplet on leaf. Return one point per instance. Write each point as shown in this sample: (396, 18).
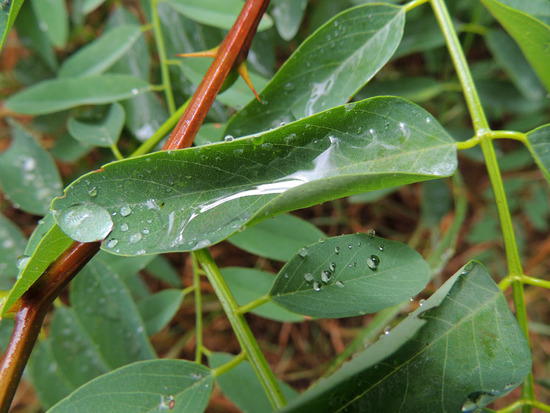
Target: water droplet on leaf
(303, 252)
(332, 266)
(92, 192)
(124, 227)
(339, 284)
(229, 138)
(373, 262)
(371, 233)
(112, 243)
(308, 277)
(125, 210)
(317, 286)
(85, 222)
(325, 276)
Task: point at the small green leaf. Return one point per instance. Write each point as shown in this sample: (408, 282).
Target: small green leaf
(162, 269)
(288, 15)
(326, 69)
(104, 133)
(242, 387)
(247, 284)
(59, 94)
(459, 351)
(53, 19)
(108, 314)
(158, 309)
(12, 242)
(417, 89)
(68, 149)
(348, 276)
(538, 143)
(8, 14)
(189, 199)
(28, 174)
(531, 35)
(176, 386)
(110, 46)
(278, 238)
(217, 13)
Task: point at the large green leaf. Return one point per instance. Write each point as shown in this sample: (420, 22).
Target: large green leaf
(158, 309)
(538, 142)
(108, 314)
(248, 284)
(104, 132)
(278, 238)
(350, 275)
(12, 242)
(177, 386)
(539, 9)
(288, 15)
(460, 350)
(58, 94)
(28, 174)
(532, 36)
(8, 14)
(217, 13)
(242, 387)
(327, 69)
(189, 199)
(110, 46)
(53, 19)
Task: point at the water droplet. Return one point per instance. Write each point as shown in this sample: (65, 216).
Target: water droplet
(92, 192)
(22, 262)
(381, 247)
(332, 266)
(411, 299)
(288, 86)
(229, 138)
(321, 240)
(135, 238)
(125, 210)
(350, 106)
(337, 250)
(286, 275)
(371, 233)
(145, 231)
(308, 277)
(428, 119)
(373, 262)
(135, 91)
(339, 284)
(387, 331)
(124, 227)
(325, 276)
(303, 252)
(141, 252)
(112, 243)
(238, 151)
(317, 286)
(85, 222)
(422, 302)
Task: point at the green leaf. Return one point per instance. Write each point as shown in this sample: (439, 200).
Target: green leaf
(12, 242)
(53, 19)
(288, 15)
(348, 276)
(531, 35)
(104, 132)
(461, 350)
(217, 13)
(107, 313)
(111, 46)
(68, 149)
(162, 269)
(248, 284)
(189, 199)
(278, 238)
(173, 385)
(417, 89)
(28, 174)
(59, 94)
(242, 387)
(538, 143)
(8, 14)
(158, 309)
(539, 9)
(78, 358)
(326, 69)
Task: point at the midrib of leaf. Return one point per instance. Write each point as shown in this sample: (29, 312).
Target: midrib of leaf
(452, 328)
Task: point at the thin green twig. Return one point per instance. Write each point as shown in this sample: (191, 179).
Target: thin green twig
(254, 304)
(224, 368)
(198, 309)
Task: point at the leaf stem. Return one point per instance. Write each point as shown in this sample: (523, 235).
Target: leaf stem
(254, 304)
(247, 341)
(116, 152)
(198, 310)
(507, 134)
(413, 3)
(224, 368)
(470, 143)
(165, 75)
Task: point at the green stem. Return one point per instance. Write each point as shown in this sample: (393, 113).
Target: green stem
(414, 3)
(470, 143)
(242, 330)
(482, 130)
(235, 361)
(159, 40)
(535, 281)
(254, 304)
(116, 152)
(166, 127)
(198, 310)
(507, 134)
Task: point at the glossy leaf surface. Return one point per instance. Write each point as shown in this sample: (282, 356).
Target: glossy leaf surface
(350, 275)
(99, 55)
(108, 314)
(59, 94)
(8, 13)
(461, 350)
(176, 386)
(242, 387)
(158, 309)
(538, 142)
(278, 238)
(217, 13)
(12, 243)
(189, 199)
(104, 132)
(53, 19)
(532, 36)
(247, 284)
(28, 174)
(327, 69)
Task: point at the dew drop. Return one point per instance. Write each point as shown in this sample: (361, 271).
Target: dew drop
(387, 331)
(229, 138)
(332, 266)
(325, 276)
(373, 262)
(339, 284)
(350, 106)
(124, 227)
(317, 286)
(125, 210)
(308, 277)
(145, 231)
(22, 262)
(112, 243)
(141, 252)
(92, 192)
(303, 252)
(411, 299)
(337, 250)
(381, 247)
(288, 86)
(85, 222)
(321, 240)
(428, 119)
(286, 275)
(371, 233)
(135, 91)
(422, 302)
(135, 238)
